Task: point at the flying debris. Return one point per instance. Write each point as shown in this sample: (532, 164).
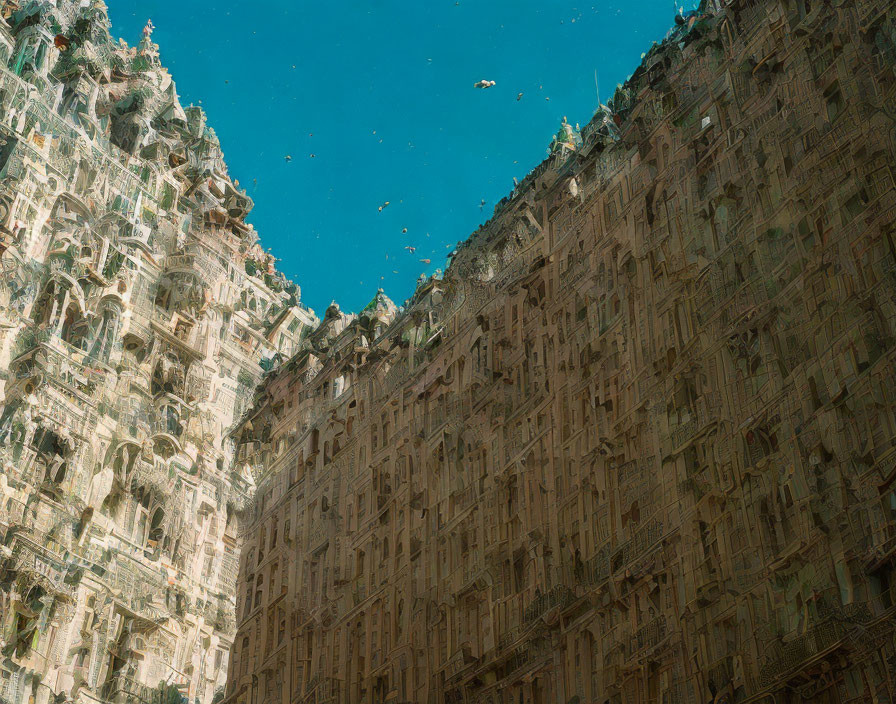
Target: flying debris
(482, 204)
(483, 84)
(288, 157)
(312, 155)
(404, 230)
(383, 206)
(411, 249)
(426, 261)
(519, 97)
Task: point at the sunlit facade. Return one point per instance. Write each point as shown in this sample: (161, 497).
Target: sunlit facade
(137, 315)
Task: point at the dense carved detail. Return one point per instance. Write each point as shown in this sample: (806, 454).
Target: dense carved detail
(637, 445)
(125, 260)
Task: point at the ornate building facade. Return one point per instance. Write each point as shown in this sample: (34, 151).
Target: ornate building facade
(137, 316)
(637, 444)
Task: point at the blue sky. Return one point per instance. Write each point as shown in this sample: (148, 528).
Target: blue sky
(381, 92)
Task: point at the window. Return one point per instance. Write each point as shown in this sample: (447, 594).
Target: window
(258, 585)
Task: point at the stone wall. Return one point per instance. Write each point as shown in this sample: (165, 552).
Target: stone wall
(637, 445)
(137, 315)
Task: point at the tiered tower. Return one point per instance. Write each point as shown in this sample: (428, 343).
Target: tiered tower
(137, 316)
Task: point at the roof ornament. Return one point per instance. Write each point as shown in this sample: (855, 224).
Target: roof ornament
(567, 138)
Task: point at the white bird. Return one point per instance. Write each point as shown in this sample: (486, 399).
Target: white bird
(411, 249)
(483, 84)
(384, 205)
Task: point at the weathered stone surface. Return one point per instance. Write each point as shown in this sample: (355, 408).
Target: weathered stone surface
(137, 316)
(637, 444)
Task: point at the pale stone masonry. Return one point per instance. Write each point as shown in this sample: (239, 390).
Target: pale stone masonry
(137, 315)
(637, 444)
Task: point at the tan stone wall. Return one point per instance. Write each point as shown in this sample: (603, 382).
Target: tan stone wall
(637, 446)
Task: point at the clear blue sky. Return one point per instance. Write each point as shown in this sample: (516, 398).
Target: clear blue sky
(270, 74)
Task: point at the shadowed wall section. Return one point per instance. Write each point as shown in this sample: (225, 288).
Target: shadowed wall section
(637, 444)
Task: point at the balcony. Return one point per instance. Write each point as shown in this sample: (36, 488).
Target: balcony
(638, 546)
(154, 476)
(125, 690)
(209, 270)
(559, 596)
(648, 635)
(596, 570)
(826, 635)
(526, 658)
(679, 435)
(509, 637)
